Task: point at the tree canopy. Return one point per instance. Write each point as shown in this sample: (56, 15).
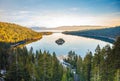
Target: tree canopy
(13, 33)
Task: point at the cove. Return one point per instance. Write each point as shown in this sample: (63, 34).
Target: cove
(81, 45)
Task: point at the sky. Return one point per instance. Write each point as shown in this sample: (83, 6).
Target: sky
(54, 13)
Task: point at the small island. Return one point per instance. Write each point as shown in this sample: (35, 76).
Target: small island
(60, 41)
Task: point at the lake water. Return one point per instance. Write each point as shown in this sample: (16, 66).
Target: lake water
(80, 45)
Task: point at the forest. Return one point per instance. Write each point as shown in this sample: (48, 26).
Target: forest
(106, 34)
(103, 65)
(20, 64)
(12, 33)
(23, 65)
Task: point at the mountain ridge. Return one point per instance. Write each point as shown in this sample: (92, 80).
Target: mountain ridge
(70, 28)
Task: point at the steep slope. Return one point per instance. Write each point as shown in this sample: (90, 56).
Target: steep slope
(11, 33)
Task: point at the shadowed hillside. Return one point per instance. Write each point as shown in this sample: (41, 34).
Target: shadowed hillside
(106, 34)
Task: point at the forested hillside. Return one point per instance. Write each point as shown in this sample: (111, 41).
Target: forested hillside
(106, 34)
(103, 65)
(23, 65)
(13, 33)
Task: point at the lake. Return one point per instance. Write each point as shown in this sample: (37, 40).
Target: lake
(80, 45)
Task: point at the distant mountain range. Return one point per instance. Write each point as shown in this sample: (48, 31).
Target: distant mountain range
(70, 28)
(38, 28)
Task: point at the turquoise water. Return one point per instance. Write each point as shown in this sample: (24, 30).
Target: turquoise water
(80, 45)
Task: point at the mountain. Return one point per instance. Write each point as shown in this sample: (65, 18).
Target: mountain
(76, 28)
(69, 28)
(106, 34)
(11, 33)
(38, 28)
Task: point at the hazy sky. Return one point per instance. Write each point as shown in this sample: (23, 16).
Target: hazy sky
(52, 13)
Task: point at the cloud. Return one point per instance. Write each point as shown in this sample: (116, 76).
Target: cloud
(53, 19)
(1, 10)
(24, 12)
(58, 20)
(115, 14)
(74, 9)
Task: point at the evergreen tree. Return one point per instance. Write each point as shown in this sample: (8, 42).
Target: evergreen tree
(87, 64)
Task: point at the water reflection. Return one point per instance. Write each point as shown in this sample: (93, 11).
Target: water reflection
(80, 45)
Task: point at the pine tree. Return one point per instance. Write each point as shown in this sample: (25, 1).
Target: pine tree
(87, 64)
